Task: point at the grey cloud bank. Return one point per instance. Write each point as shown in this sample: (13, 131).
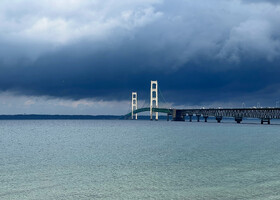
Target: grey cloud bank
(226, 50)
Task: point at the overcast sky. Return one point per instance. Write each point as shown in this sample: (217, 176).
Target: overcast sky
(86, 57)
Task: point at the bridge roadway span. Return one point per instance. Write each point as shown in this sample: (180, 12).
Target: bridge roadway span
(265, 114)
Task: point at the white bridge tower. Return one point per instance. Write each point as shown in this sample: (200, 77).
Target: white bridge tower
(154, 98)
(134, 105)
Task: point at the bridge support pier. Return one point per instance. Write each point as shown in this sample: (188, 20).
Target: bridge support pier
(219, 119)
(265, 120)
(198, 118)
(190, 116)
(178, 115)
(238, 120)
(205, 118)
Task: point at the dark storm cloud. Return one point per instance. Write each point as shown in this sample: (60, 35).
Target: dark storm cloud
(113, 75)
(200, 52)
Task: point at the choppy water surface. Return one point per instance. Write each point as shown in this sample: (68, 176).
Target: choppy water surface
(138, 160)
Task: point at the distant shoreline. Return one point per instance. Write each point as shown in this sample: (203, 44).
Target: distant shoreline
(56, 117)
(69, 117)
(91, 117)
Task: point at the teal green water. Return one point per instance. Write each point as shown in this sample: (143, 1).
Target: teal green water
(138, 160)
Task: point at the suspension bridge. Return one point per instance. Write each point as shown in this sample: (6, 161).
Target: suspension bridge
(238, 114)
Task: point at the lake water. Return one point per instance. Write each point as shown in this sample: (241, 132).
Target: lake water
(75, 160)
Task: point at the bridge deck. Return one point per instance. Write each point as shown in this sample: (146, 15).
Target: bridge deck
(160, 110)
(261, 113)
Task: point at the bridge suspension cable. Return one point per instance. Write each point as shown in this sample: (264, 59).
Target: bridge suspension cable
(162, 95)
(144, 104)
